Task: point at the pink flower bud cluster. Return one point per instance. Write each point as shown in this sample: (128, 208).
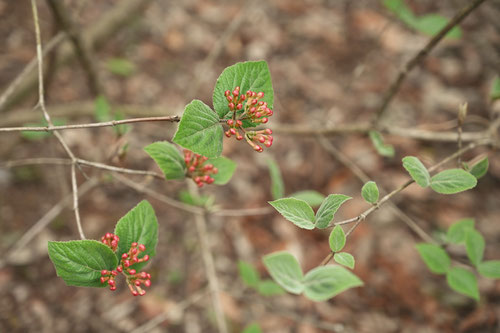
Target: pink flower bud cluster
(198, 170)
(234, 125)
(258, 112)
(263, 137)
(111, 240)
(109, 277)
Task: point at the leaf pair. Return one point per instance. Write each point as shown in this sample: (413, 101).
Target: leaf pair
(200, 128)
(337, 241)
(319, 284)
(251, 277)
(80, 262)
(302, 215)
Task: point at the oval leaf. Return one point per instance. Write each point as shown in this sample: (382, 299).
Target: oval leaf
(296, 211)
(436, 259)
(324, 282)
(463, 281)
(225, 168)
(490, 269)
(480, 168)
(328, 208)
(79, 262)
(285, 270)
(269, 288)
(345, 259)
(248, 274)
(313, 198)
(456, 232)
(168, 158)
(251, 75)
(200, 130)
(474, 244)
(380, 146)
(277, 186)
(369, 192)
(337, 239)
(138, 225)
(453, 181)
(417, 170)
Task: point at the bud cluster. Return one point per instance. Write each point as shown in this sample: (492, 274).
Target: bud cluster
(255, 137)
(234, 125)
(135, 280)
(132, 256)
(198, 170)
(111, 240)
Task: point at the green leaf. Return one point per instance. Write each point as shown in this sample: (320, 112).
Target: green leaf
(456, 232)
(120, 66)
(202, 200)
(463, 281)
(480, 168)
(328, 208)
(474, 244)
(369, 192)
(345, 259)
(248, 274)
(453, 181)
(495, 89)
(296, 211)
(168, 158)
(79, 263)
(436, 259)
(380, 146)
(431, 24)
(225, 168)
(251, 75)
(313, 198)
(417, 170)
(102, 109)
(490, 269)
(32, 135)
(277, 186)
(123, 128)
(399, 8)
(199, 130)
(324, 282)
(337, 239)
(285, 270)
(138, 225)
(252, 328)
(269, 288)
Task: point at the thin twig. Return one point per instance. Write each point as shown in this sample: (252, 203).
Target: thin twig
(74, 186)
(417, 59)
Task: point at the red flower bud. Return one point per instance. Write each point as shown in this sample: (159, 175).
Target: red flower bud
(142, 247)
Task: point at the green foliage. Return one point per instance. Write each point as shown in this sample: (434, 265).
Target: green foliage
(102, 109)
(490, 269)
(269, 288)
(337, 239)
(453, 181)
(251, 278)
(436, 259)
(200, 130)
(378, 142)
(250, 75)
(370, 192)
(138, 225)
(463, 281)
(252, 328)
(324, 282)
(313, 198)
(196, 200)
(417, 170)
(277, 186)
(457, 231)
(79, 262)
(168, 159)
(328, 208)
(120, 66)
(345, 259)
(296, 211)
(495, 89)
(479, 169)
(32, 135)
(474, 245)
(226, 169)
(285, 270)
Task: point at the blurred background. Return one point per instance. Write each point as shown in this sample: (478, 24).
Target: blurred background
(331, 63)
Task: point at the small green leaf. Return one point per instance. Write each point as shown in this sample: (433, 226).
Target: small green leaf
(345, 259)
(269, 288)
(324, 282)
(285, 270)
(399, 8)
(495, 89)
(453, 181)
(369, 192)
(436, 259)
(252, 328)
(168, 158)
(480, 168)
(474, 244)
(225, 168)
(296, 211)
(378, 142)
(79, 263)
(313, 198)
(138, 225)
(490, 269)
(417, 170)
(463, 281)
(277, 186)
(431, 24)
(102, 109)
(328, 208)
(38, 135)
(456, 232)
(120, 66)
(248, 274)
(199, 130)
(251, 75)
(337, 239)
(123, 128)
(201, 200)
